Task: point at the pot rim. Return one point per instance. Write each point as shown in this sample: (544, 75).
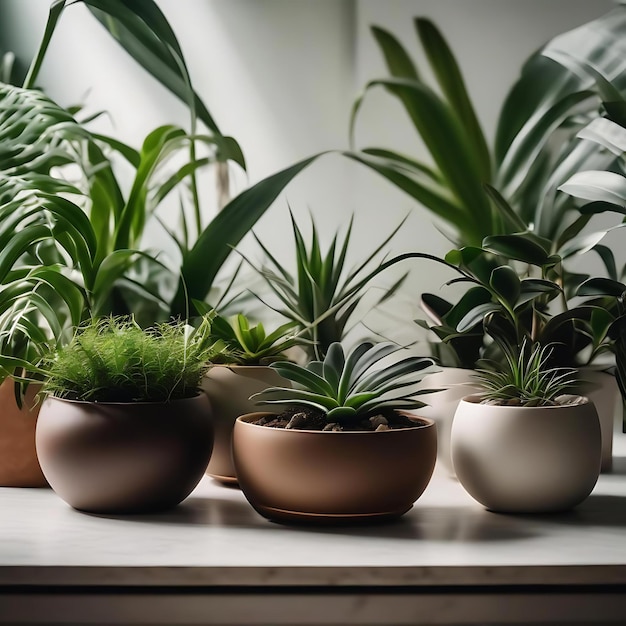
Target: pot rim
(476, 397)
(426, 422)
(199, 394)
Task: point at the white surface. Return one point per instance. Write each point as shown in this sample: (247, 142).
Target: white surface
(215, 538)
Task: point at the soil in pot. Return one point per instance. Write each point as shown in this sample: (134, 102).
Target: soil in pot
(310, 419)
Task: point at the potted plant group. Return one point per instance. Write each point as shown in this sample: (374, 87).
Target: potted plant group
(524, 445)
(124, 427)
(240, 368)
(342, 450)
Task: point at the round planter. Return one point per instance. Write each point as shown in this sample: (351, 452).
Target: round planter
(526, 459)
(19, 466)
(313, 476)
(229, 388)
(455, 383)
(601, 389)
(124, 458)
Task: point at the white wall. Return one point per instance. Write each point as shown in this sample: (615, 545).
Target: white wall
(281, 75)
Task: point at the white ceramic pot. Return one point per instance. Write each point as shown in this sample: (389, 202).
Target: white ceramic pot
(229, 388)
(526, 459)
(601, 389)
(455, 383)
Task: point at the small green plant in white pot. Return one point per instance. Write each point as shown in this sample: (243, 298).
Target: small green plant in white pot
(341, 449)
(240, 368)
(524, 445)
(124, 427)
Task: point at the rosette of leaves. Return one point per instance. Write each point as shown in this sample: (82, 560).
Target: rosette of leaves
(549, 101)
(353, 387)
(114, 360)
(238, 341)
(524, 378)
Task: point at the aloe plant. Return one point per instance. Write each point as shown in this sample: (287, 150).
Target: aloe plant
(524, 163)
(350, 388)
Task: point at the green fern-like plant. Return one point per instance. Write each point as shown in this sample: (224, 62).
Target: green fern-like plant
(349, 388)
(115, 360)
(524, 378)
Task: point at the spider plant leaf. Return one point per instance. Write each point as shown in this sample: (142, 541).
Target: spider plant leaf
(56, 9)
(278, 395)
(400, 160)
(514, 221)
(598, 186)
(142, 30)
(450, 79)
(397, 59)
(421, 188)
(446, 141)
(203, 261)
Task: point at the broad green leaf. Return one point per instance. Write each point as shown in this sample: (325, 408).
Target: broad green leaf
(517, 247)
(506, 284)
(398, 61)
(601, 287)
(598, 186)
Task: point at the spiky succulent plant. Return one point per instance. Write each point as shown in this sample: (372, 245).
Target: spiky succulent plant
(348, 388)
(523, 378)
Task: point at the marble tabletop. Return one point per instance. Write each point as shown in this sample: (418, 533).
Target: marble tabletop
(215, 538)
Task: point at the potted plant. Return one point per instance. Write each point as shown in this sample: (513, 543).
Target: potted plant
(322, 295)
(517, 291)
(240, 368)
(342, 450)
(523, 445)
(124, 427)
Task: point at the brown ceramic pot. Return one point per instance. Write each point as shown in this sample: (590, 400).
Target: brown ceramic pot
(229, 388)
(19, 466)
(124, 458)
(313, 476)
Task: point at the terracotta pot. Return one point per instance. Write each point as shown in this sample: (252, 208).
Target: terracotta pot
(526, 459)
(228, 388)
(601, 389)
(19, 466)
(313, 476)
(455, 383)
(124, 458)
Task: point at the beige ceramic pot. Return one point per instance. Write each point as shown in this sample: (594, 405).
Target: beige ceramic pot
(313, 476)
(19, 466)
(526, 459)
(601, 389)
(455, 383)
(229, 388)
(124, 458)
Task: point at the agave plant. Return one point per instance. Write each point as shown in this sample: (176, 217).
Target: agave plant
(321, 297)
(525, 378)
(350, 388)
(525, 164)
